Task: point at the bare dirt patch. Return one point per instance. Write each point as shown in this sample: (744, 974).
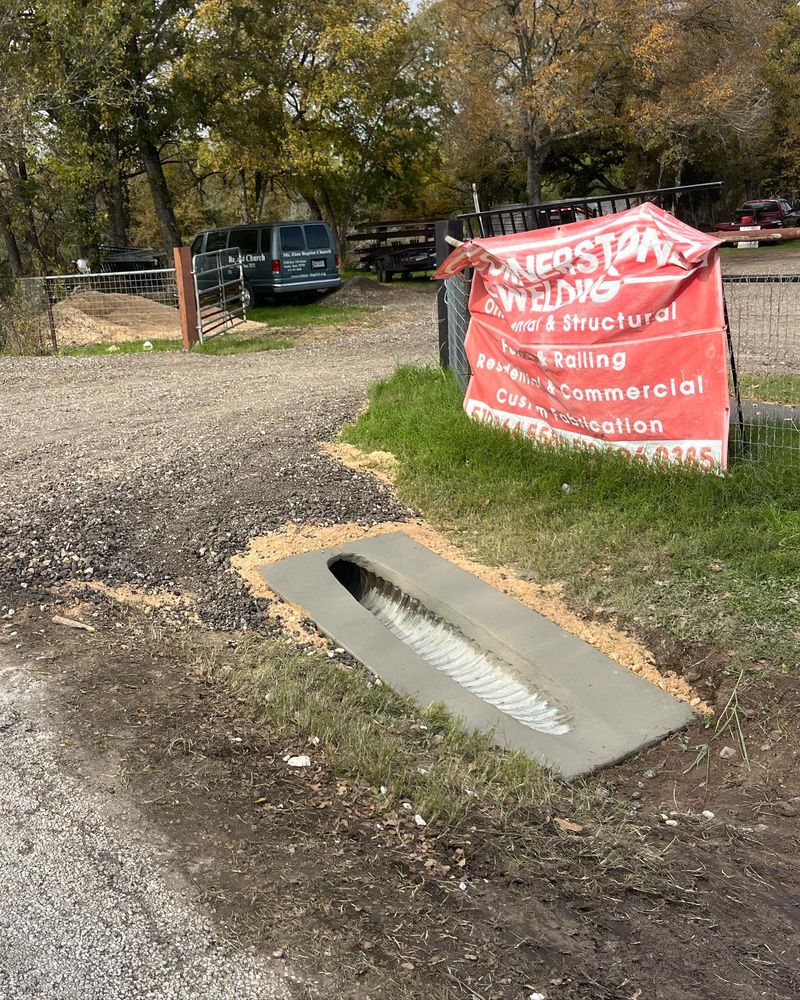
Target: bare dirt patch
(317, 870)
(363, 291)
(380, 464)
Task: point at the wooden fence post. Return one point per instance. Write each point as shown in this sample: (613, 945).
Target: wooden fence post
(187, 303)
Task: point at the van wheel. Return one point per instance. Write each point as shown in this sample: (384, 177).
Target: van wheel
(248, 297)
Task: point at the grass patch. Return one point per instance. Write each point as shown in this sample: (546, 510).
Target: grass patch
(126, 347)
(310, 314)
(712, 560)
(770, 388)
(454, 779)
(230, 343)
(733, 251)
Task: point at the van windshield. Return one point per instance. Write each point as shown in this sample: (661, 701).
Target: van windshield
(317, 238)
(292, 238)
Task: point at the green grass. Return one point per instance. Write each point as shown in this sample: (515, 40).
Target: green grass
(127, 347)
(233, 343)
(310, 314)
(713, 560)
(733, 251)
(230, 343)
(770, 388)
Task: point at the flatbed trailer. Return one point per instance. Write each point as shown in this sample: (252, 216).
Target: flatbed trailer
(394, 246)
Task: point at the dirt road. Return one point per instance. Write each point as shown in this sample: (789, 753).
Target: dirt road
(154, 469)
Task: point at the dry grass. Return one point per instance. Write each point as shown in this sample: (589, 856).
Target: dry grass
(423, 761)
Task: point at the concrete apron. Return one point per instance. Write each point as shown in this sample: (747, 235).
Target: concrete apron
(608, 712)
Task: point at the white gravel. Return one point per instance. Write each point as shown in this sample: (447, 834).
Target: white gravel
(88, 905)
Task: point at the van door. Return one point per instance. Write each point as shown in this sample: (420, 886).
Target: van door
(322, 260)
(293, 256)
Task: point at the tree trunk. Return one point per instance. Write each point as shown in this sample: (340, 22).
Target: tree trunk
(534, 159)
(114, 197)
(17, 174)
(259, 192)
(12, 247)
(154, 169)
(243, 192)
(338, 226)
(313, 206)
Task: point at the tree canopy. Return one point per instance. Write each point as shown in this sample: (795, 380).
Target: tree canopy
(143, 120)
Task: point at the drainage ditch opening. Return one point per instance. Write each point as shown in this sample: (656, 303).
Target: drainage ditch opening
(446, 648)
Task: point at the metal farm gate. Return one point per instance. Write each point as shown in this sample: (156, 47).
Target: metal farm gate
(219, 292)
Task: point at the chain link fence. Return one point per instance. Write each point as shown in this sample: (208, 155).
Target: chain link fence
(48, 314)
(763, 314)
(456, 295)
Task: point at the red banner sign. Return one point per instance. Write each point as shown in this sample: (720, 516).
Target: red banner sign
(607, 333)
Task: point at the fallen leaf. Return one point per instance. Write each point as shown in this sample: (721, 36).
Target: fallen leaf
(568, 825)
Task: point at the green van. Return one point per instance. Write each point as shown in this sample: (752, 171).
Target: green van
(278, 257)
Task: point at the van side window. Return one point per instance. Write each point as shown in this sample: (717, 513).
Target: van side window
(317, 238)
(217, 240)
(292, 238)
(197, 243)
(245, 239)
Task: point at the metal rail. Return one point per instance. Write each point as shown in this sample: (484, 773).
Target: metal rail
(693, 203)
(219, 292)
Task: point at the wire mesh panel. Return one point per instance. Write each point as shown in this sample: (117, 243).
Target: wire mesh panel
(109, 308)
(763, 313)
(24, 326)
(456, 292)
(220, 290)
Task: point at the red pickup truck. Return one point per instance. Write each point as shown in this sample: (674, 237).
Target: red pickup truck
(766, 213)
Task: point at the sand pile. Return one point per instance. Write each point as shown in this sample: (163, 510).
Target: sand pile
(93, 317)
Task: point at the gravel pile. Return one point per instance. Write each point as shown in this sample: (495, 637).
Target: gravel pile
(153, 470)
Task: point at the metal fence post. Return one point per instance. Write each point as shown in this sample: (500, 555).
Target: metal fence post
(51, 323)
(444, 227)
(187, 302)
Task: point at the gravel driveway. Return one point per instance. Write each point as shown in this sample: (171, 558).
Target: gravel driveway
(148, 470)
(154, 469)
